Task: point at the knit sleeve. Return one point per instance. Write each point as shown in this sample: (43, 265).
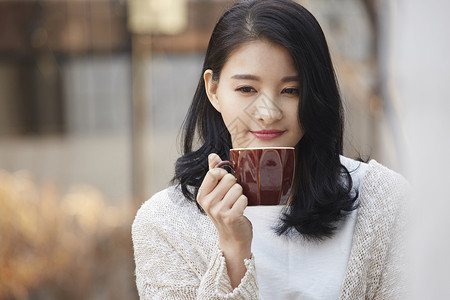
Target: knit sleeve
(376, 265)
(217, 282)
(168, 267)
(392, 282)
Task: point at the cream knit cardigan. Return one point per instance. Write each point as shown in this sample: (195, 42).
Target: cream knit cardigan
(177, 257)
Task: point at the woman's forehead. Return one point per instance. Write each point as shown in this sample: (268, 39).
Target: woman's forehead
(259, 57)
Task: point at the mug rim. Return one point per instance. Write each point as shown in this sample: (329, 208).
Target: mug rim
(262, 148)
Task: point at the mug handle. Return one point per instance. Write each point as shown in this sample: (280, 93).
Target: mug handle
(226, 163)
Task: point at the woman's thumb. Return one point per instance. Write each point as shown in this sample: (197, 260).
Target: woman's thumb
(213, 160)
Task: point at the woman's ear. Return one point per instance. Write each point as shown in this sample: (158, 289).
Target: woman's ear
(211, 89)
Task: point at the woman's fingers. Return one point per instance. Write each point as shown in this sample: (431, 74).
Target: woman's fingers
(224, 186)
(240, 204)
(219, 194)
(222, 199)
(207, 190)
(211, 180)
(223, 209)
(212, 177)
(233, 194)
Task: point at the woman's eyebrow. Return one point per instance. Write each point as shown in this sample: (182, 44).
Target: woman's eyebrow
(256, 78)
(245, 76)
(291, 78)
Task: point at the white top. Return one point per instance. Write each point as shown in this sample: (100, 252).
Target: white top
(298, 269)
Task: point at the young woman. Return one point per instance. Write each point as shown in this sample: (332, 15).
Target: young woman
(268, 80)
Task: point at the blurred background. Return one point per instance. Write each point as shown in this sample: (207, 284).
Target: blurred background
(93, 94)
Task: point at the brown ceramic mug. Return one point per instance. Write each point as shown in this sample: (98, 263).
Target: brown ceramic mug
(265, 174)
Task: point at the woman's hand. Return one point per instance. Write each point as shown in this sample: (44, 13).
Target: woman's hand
(222, 199)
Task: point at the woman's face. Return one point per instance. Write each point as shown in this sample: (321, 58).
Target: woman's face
(257, 95)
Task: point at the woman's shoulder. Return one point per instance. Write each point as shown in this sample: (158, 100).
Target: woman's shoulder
(375, 176)
(156, 205)
(384, 187)
(385, 178)
(168, 207)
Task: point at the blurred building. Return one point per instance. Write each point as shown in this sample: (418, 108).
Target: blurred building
(67, 81)
(66, 85)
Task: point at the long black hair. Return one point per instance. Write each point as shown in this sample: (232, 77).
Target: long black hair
(322, 192)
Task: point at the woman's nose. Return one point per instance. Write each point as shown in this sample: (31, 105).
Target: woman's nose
(266, 110)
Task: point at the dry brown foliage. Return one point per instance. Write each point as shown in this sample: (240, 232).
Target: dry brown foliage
(71, 246)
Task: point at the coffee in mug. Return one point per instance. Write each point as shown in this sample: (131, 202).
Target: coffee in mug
(265, 174)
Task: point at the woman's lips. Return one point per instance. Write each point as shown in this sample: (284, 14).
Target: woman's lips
(267, 134)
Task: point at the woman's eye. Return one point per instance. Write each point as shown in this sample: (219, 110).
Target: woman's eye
(291, 91)
(246, 89)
